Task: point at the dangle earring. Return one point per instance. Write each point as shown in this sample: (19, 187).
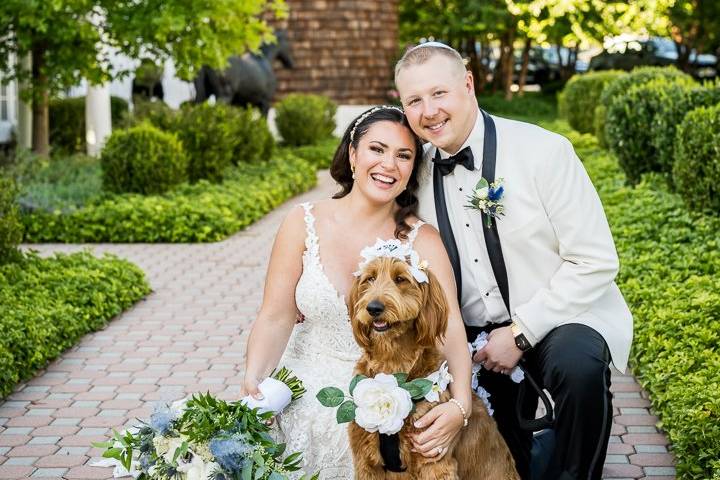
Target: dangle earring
(352, 169)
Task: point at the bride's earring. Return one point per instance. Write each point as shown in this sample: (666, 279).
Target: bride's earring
(352, 169)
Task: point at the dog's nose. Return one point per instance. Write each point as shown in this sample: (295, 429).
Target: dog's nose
(375, 308)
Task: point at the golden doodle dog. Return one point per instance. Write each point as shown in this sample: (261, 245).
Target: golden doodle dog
(398, 323)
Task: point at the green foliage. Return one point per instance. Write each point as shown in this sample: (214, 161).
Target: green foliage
(305, 119)
(616, 88)
(531, 106)
(156, 112)
(142, 160)
(319, 154)
(10, 226)
(677, 102)
(217, 136)
(46, 305)
(670, 265)
(67, 122)
(61, 182)
(696, 170)
(631, 117)
(581, 96)
(202, 212)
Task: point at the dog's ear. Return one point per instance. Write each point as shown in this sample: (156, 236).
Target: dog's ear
(361, 336)
(432, 320)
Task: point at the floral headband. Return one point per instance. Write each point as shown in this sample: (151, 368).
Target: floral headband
(395, 249)
(365, 115)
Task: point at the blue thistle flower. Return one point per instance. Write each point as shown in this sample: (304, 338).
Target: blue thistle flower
(495, 194)
(230, 452)
(161, 419)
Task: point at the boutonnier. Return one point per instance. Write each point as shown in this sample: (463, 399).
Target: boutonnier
(487, 198)
(382, 403)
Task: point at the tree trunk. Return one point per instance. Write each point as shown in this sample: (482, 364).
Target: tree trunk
(509, 64)
(41, 120)
(476, 66)
(524, 68)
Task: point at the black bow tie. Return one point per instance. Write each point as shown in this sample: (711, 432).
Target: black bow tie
(446, 165)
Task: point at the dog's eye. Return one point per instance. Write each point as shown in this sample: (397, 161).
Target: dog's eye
(400, 279)
(370, 279)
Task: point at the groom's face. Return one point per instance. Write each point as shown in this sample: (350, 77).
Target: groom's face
(439, 101)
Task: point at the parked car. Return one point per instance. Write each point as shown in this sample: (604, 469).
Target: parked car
(626, 54)
(544, 65)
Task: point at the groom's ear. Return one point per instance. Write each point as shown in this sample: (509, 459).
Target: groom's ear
(469, 83)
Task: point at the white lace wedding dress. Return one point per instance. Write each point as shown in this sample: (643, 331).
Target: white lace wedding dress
(321, 352)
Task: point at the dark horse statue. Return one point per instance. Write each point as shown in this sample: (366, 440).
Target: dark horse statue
(248, 79)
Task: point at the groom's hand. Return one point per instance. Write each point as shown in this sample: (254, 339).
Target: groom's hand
(500, 354)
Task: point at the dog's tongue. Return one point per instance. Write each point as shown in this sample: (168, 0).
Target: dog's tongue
(380, 325)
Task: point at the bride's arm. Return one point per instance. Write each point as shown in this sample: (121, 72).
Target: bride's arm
(275, 320)
(446, 418)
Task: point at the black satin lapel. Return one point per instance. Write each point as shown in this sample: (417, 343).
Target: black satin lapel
(446, 232)
(492, 238)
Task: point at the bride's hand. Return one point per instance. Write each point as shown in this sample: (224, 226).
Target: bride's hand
(444, 422)
(250, 387)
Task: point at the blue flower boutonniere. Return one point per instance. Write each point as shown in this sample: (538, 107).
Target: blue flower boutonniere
(487, 197)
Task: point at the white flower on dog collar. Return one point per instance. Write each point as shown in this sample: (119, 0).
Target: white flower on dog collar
(441, 379)
(395, 249)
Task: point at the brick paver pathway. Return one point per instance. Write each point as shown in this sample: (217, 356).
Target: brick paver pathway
(189, 336)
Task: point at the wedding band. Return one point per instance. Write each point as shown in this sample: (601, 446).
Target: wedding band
(440, 450)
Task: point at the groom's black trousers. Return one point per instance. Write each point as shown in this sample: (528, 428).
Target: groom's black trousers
(572, 363)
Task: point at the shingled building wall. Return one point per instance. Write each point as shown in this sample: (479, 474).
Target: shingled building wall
(342, 48)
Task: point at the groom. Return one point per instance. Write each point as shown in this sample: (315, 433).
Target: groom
(540, 278)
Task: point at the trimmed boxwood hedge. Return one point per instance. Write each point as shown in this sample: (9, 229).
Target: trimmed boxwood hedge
(697, 159)
(305, 119)
(201, 212)
(67, 122)
(670, 277)
(47, 304)
(10, 226)
(581, 96)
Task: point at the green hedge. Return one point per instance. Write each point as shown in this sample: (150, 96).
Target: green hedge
(67, 122)
(632, 130)
(144, 160)
(580, 97)
(622, 84)
(670, 277)
(202, 212)
(697, 159)
(305, 119)
(46, 305)
(10, 226)
(320, 154)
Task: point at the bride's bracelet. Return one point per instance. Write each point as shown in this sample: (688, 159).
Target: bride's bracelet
(462, 411)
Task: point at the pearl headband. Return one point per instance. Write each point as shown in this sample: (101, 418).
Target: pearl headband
(365, 115)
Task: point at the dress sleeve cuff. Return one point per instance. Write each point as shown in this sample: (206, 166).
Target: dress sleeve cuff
(525, 330)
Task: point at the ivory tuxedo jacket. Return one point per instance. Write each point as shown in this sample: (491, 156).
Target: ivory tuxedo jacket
(559, 253)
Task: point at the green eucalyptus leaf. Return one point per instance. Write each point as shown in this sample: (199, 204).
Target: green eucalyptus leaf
(346, 412)
(330, 396)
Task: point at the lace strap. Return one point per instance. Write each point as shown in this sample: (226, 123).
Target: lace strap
(311, 238)
(414, 231)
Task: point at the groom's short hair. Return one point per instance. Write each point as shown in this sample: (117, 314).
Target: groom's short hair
(420, 54)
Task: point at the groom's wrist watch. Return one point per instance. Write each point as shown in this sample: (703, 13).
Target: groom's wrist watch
(521, 340)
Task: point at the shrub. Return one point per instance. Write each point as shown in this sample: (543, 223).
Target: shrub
(670, 114)
(142, 160)
(254, 141)
(581, 96)
(201, 212)
(67, 122)
(47, 304)
(631, 118)
(10, 226)
(156, 112)
(696, 170)
(209, 136)
(320, 155)
(305, 119)
(531, 106)
(620, 85)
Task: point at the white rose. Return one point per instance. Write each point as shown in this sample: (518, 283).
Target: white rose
(161, 445)
(482, 193)
(173, 444)
(197, 469)
(382, 405)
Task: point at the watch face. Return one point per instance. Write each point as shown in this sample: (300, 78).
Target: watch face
(522, 342)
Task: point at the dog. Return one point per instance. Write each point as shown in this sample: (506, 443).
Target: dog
(398, 323)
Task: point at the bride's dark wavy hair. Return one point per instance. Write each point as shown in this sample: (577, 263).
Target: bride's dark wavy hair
(340, 168)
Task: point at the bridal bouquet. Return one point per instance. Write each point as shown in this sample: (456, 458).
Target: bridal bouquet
(205, 438)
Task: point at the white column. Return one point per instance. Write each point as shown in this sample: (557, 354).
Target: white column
(97, 118)
(24, 109)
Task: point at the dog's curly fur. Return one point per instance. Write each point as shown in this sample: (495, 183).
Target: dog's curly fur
(403, 337)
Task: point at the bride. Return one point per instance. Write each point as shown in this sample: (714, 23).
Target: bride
(316, 251)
